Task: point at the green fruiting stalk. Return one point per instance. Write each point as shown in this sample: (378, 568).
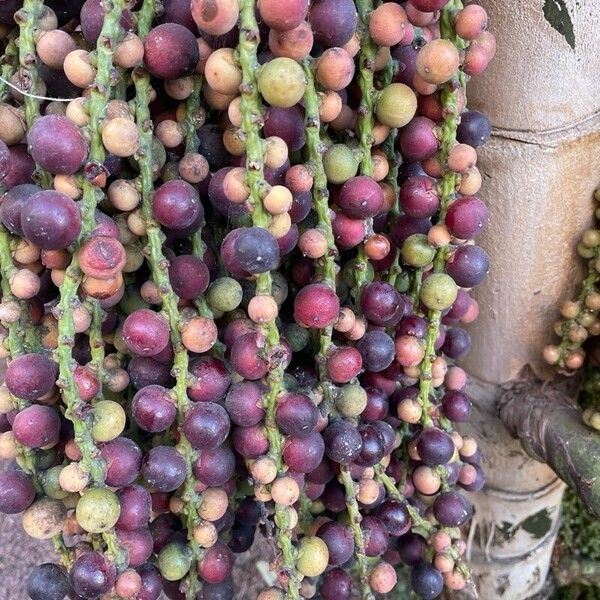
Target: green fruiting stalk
(326, 267)
(27, 18)
(194, 115)
(76, 410)
(18, 345)
(159, 268)
(354, 521)
(97, 341)
(9, 62)
(252, 122)
(82, 420)
(447, 192)
(389, 147)
(194, 118)
(589, 285)
(585, 305)
(419, 524)
(99, 96)
(365, 132)
(365, 124)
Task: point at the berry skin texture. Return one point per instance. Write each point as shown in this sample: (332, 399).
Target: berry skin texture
(316, 306)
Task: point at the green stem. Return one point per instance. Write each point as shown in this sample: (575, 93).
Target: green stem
(359, 542)
(192, 112)
(9, 62)
(326, 267)
(447, 192)
(365, 133)
(252, 122)
(76, 410)
(365, 124)
(159, 268)
(389, 146)
(27, 18)
(97, 342)
(17, 338)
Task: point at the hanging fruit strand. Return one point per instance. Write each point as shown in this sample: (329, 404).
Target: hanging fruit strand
(252, 115)
(159, 265)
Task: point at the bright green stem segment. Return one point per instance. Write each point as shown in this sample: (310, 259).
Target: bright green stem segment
(76, 410)
(9, 62)
(193, 115)
(365, 124)
(354, 522)
(325, 266)
(447, 191)
(100, 95)
(18, 345)
(365, 133)
(28, 75)
(251, 125)
(159, 269)
(389, 147)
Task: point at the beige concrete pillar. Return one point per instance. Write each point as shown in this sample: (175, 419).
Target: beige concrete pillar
(540, 170)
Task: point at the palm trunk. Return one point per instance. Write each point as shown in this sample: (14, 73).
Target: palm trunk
(540, 169)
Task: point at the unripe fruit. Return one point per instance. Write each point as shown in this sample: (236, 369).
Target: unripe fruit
(396, 105)
(387, 24)
(120, 137)
(438, 61)
(313, 556)
(282, 82)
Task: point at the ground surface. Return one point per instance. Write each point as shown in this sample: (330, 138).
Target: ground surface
(19, 554)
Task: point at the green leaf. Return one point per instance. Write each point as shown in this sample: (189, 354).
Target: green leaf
(556, 13)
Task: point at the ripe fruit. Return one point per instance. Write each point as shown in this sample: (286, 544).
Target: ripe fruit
(215, 262)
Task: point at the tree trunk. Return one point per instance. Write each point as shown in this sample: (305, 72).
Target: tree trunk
(540, 169)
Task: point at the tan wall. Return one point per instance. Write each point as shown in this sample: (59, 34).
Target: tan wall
(540, 170)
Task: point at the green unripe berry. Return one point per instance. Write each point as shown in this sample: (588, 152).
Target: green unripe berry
(174, 561)
(591, 238)
(351, 400)
(132, 300)
(396, 105)
(313, 556)
(438, 291)
(109, 420)
(44, 459)
(281, 82)
(340, 163)
(224, 294)
(50, 484)
(297, 337)
(279, 287)
(98, 510)
(416, 251)
(585, 251)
